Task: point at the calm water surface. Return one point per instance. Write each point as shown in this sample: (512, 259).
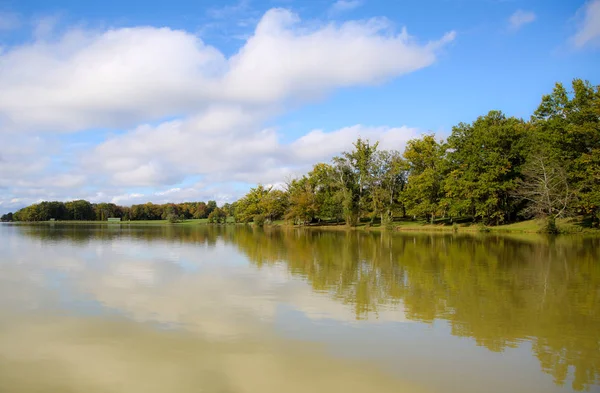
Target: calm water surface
(236, 309)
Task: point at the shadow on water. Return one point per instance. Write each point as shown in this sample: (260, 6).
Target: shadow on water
(497, 290)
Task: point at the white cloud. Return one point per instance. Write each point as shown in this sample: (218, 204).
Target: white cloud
(588, 32)
(345, 5)
(87, 80)
(120, 77)
(521, 18)
(318, 145)
(240, 150)
(17, 168)
(283, 58)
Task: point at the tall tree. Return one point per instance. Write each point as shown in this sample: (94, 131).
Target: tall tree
(80, 210)
(201, 210)
(229, 209)
(354, 172)
(328, 193)
(389, 180)
(252, 205)
(486, 158)
(568, 126)
(424, 191)
(303, 204)
(217, 216)
(545, 188)
(210, 206)
(274, 204)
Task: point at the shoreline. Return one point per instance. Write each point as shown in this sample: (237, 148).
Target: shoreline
(567, 227)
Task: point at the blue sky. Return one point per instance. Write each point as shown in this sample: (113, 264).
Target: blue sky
(192, 100)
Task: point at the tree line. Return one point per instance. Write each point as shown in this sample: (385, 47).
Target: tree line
(82, 210)
(495, 170)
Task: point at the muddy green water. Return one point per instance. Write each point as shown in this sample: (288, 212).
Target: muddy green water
(235, 309)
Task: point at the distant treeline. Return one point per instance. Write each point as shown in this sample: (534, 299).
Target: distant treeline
(494, 170)
(82, 210)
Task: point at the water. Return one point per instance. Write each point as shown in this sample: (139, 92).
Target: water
(236, 309)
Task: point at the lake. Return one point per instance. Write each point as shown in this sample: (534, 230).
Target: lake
(118, 308)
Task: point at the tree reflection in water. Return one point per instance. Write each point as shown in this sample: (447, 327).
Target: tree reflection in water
(498, 290)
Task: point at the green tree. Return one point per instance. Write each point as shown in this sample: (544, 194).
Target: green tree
(217, 216)
(201, 210)
(268, 203)
(486, 159)
(303, 206)
(389, 180)
(424, 190)
(274, 204)
(229, 209)
(171, 213)
(103, 211)
(568, 128)
(328, 194)
(252, 204)
(210, 207)
(80, 210)
(354, 173)
(186, 209)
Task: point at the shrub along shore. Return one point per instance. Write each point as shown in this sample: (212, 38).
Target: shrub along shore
(497, 172)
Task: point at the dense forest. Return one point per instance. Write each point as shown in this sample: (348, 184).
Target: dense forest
(495, 170)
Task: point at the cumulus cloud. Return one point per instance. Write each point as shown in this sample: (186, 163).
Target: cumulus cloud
(29, 171)
(588, 32)
(15, 167)
(248, 154)
(23, 163)
(120, 77)
(282, 59)
(84, 80)
(134, 78)
(520, 18)
(318, 145)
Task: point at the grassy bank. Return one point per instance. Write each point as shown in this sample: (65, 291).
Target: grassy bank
(566, 226)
